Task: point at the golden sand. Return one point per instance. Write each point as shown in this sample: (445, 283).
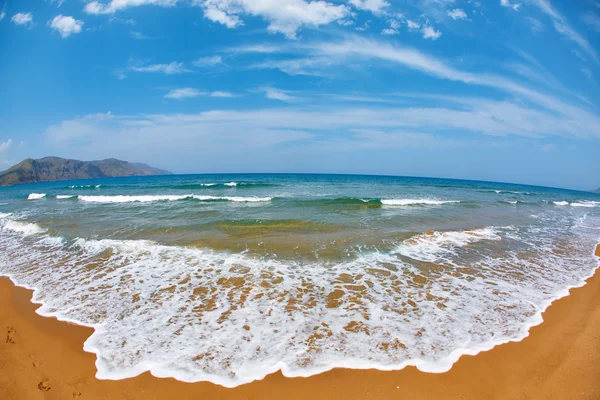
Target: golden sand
(42, 358)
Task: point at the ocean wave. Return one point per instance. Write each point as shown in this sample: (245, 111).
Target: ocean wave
(85, 186)
(586, 203)
(154, 198)
(432, 246)
(221, 185)
(26, 228)
(36, 196)
(416, 202)
(63, 197)
(231, 318)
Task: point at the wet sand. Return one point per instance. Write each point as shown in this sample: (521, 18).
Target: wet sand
(42, 358)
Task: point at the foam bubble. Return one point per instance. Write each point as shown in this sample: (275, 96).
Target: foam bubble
(36, 196)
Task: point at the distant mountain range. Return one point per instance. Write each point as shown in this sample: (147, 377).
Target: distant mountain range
(61, 169)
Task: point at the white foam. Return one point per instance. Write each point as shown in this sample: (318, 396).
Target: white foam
(153, 198)
(62, 197)
(411, 202)
(586, 203)
(25, 228)
(432, 246)
(561, 203)
(231, 184)
(36, 196)
(234, 199)
(203, 315)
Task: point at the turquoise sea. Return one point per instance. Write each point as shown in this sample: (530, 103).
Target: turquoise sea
(228, 278)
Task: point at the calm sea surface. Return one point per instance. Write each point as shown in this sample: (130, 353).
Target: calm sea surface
(227, 278)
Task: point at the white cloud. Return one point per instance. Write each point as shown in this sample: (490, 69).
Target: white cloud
(277, 94)
(66, 25)
(138, 35)
(297, 66)
(2, 14)
(507, 3)
(389, 31)
(185, 93)
(172, 68)
(95, 7)
(208, 61)
(375, 6)
(561, 25)
(457, 13)
(220, 93)
(22, 19)
(412, 25)
(429, 32)
(4, 146)
(284, 16)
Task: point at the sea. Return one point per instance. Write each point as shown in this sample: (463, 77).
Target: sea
(229, 278)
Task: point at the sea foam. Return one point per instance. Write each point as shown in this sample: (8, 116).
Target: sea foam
(412, 202)
(153, 198)
(433, 246)
(231, 318)
(36, 196)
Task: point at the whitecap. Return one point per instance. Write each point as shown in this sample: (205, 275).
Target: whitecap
(26, 228)
(432, 246)
(36, 196)
(411, 202)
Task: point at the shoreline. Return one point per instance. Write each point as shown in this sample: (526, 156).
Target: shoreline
(559, 358)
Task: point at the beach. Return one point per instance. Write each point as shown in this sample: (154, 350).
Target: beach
(42, 358)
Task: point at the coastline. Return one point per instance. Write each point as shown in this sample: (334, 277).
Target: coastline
(559, 359)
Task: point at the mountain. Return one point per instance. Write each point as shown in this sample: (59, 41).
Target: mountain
(60, 169)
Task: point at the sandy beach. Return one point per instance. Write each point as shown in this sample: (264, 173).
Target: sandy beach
(42, 358)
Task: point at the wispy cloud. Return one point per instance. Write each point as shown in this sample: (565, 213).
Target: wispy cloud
(95, 7)
(278, 94)
(377, 7)
(208, 61)
(562, 26)
(185, 93)
(172, 68)
(510, 4)
(592, 20)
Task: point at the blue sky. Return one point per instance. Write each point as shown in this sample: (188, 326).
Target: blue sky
(505, 90)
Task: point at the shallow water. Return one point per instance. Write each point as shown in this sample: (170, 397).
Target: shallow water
(228, 278)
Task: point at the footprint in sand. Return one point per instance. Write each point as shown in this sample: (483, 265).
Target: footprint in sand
(34, 362)
(76, 394)
(10, 335)
(44, 385)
